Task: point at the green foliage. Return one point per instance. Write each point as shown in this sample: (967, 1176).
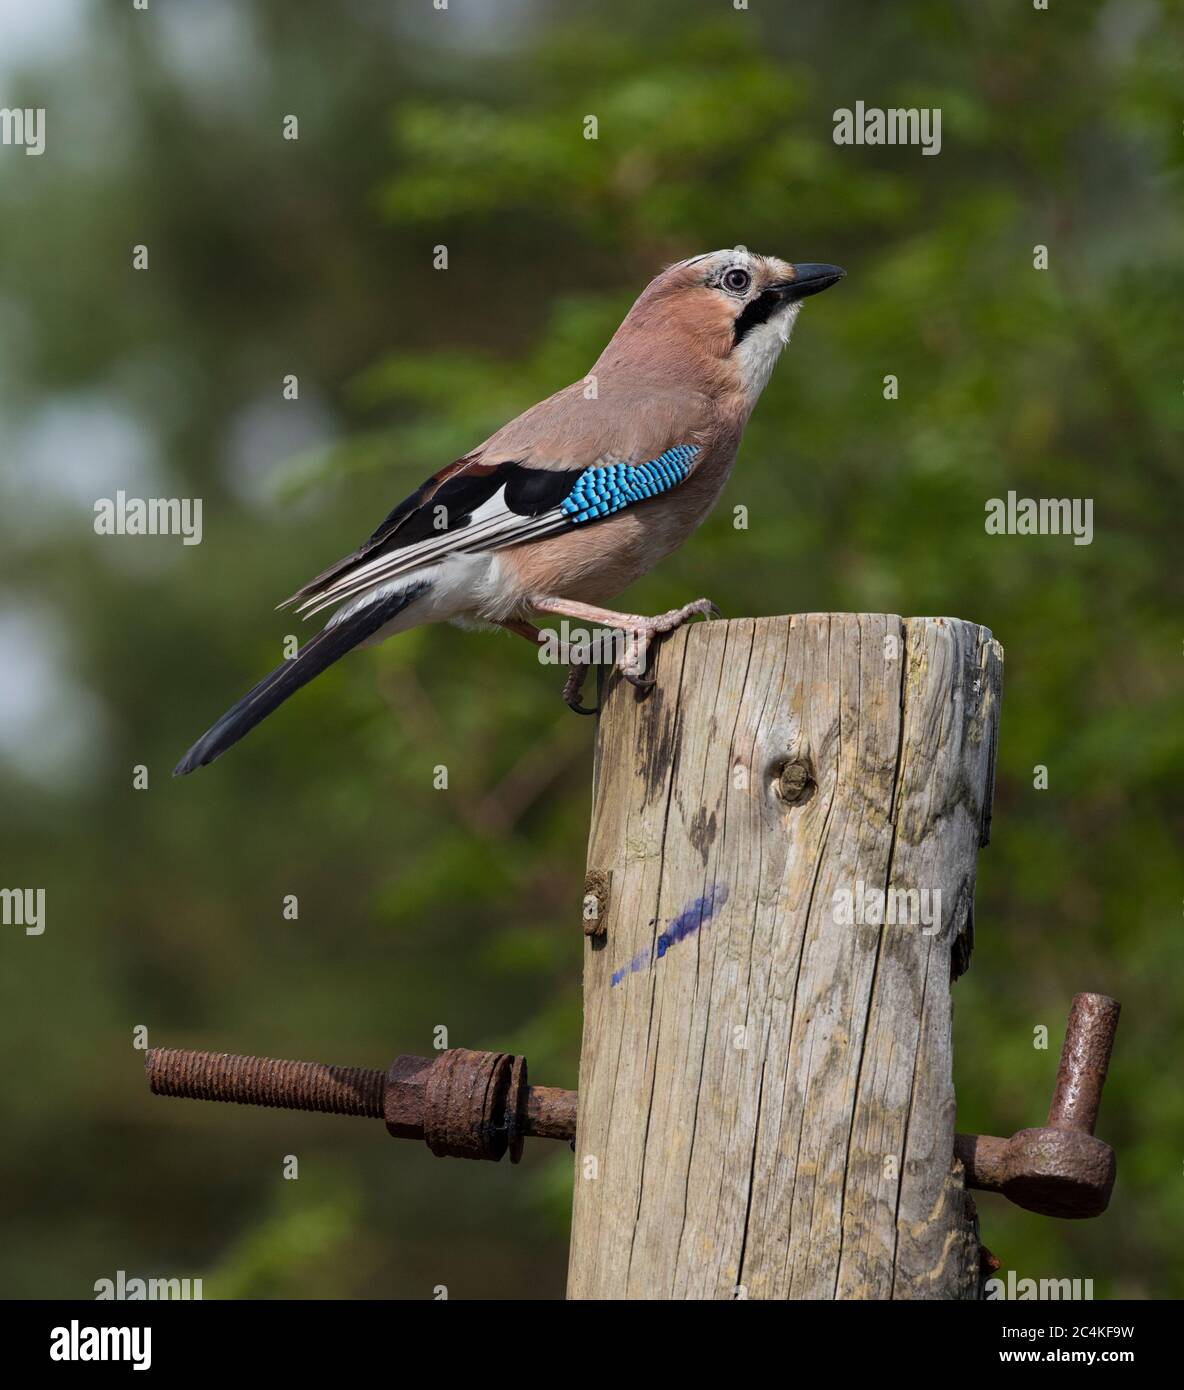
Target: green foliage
(294, 1250)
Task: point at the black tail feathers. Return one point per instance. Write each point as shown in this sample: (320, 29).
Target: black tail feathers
(317, 655)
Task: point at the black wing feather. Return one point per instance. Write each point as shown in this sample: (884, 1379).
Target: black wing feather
(461, 488)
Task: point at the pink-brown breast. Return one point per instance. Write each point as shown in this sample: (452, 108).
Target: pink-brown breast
(664, 379)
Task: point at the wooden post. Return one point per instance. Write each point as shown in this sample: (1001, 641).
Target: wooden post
(766, 1101)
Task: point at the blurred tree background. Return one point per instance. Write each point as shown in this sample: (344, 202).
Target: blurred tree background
(419, 907)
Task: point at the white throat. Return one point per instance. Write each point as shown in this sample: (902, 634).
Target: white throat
(757, 355)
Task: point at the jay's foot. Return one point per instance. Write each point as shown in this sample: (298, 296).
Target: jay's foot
(640, 633)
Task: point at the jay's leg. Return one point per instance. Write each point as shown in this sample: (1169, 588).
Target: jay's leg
(522, 629)
(574, 684)
(639, 631)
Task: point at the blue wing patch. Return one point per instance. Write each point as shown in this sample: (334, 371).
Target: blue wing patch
(602, 491)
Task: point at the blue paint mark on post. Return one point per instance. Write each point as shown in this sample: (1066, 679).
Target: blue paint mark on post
(687, 923)
(639, 962)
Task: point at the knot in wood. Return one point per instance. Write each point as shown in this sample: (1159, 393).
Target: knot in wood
(794, 783)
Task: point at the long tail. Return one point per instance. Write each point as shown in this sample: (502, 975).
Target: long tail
(315, 656)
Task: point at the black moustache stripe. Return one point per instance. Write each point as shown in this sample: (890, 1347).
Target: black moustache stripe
(759, 311)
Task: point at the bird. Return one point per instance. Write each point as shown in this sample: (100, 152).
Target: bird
(567, 505)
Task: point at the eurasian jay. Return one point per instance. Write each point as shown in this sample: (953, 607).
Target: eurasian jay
(579, 496)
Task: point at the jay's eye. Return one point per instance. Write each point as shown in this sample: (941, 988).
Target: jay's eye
(737, 281)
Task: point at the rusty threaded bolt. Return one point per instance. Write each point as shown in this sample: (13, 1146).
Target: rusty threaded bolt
(174, 1071)
(463, 1103)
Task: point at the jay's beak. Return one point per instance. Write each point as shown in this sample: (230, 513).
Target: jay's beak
(809, 278)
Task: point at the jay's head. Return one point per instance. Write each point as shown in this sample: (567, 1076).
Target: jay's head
(737, 307)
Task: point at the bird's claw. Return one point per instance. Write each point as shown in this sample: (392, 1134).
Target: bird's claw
(573, 687)
(700, 608)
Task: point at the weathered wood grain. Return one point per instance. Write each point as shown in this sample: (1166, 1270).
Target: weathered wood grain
(766, 1104)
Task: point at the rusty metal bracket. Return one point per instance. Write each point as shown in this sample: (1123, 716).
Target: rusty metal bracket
(1061, 1169)
(481, 1105)
(462, 1103)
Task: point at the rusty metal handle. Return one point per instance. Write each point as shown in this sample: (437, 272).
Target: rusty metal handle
(1085, 1060)
(1060, 1169)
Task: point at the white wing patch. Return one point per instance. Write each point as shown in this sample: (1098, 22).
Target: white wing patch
(491, 526)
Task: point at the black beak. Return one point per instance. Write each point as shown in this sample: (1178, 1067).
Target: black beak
(809, 278)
